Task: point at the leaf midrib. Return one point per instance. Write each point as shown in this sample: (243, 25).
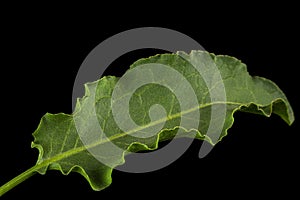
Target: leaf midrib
(76, 150)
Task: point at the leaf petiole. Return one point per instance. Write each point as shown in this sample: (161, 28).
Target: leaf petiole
(19, 179)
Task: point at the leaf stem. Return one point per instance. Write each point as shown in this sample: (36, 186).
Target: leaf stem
(18, 179)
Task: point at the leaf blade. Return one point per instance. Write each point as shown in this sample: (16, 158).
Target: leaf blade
(65, 151)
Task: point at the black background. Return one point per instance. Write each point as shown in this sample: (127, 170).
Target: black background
(42, 49)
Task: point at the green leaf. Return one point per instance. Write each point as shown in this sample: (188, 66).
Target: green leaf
(73, 143)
